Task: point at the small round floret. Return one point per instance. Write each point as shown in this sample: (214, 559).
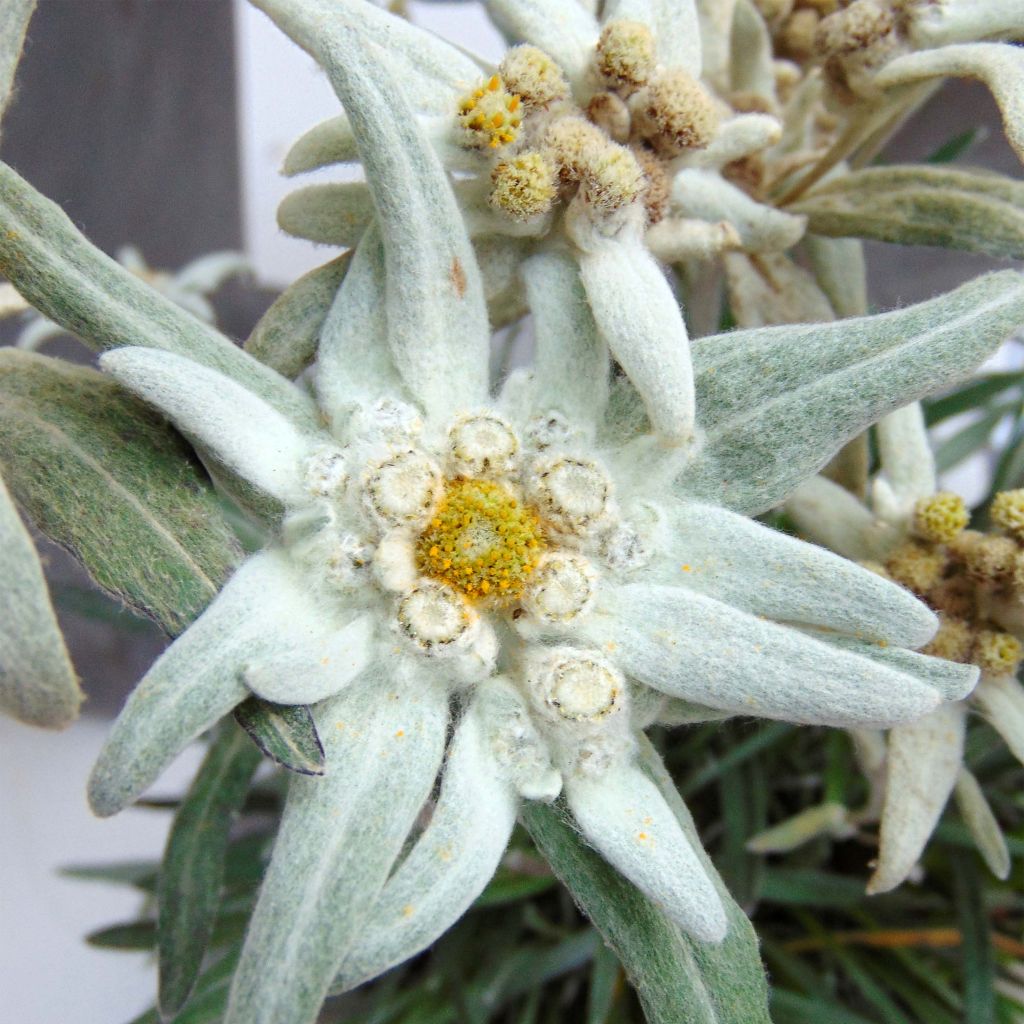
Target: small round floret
(1007, 511)
(571, 494)
(433, 616)
(524, 186)
(941, 517)
(625, 53)
(917, 566)
(576, 686)
(490, 115)
(402, 489)
(561, 589)
(530, 73)
(674, 112)
(997, 653)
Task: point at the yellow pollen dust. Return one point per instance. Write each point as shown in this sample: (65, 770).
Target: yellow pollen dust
(482, 541)
(491, 115)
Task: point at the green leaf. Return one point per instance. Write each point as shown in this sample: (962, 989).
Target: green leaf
(979, 966)
(285, 733)
(969, 439)
(74, 284)
(37, 681)
(511, 887)
(677, 979)
(954, 147)
(287, 335)
(194, 861)
(103, 476)
(14, 19)
(604, 977)
(775, 403)
(970, 396)
(922, 205)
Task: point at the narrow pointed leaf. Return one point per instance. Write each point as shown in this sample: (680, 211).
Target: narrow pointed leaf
(74, 284)
(38, 684)
(141, 518)
(777, 402)
(981, 822)
(285, 733)
(14, 19)
(329, 142)
(332, 214)
(193, 866)
(921, 205)
(287, 335)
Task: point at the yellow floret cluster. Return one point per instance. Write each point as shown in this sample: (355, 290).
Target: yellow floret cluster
(941, 517)
(491, 115)
(481, 540)
(524, 186)
(1008, 511)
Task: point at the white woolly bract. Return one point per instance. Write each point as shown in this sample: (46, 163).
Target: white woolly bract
(736, 560)
(436, 315)
(428, 70)
(448, 866)
(571, 366)
(622, 814)
(830, 515)
(708, 196)
(311, 673)
(352, 357)
(265, 609)
(906, 456)
(699, 649)
(561, 28)
(639, 318)
(223, 418)
(923, 762)
(338, 839)
(998, 65)
(939, 22)
(982, 824)
(1001, 700)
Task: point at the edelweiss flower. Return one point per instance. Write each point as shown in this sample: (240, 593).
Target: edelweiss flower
(917, 536)
(555, 565)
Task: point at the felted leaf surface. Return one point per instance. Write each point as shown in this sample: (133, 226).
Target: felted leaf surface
(285, 733)
(333, 214)
(922, 205)
(74, 284)
(287, 334)
(140, 516)
(37, 681)
(193, 866)
(14, 19)
(329, 142)
(775, 403)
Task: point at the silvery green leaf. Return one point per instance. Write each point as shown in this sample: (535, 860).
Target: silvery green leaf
(921, 205)
(831, 516)
(828, 819)
(777, 402)
(353, 360)
(923, 763)
(959, 21)
(286, 733)
(699, 649)
(142, 518)
(245, 434)
(38, 684)
(999, 65)
(982, 824)
(708, 196)
(571, 367)
(737, 137)
(14, 18)
(624, 816)
(436, 313)
(338, 839)
(308, 674)
(500, 259)
(561, 28)
(333, 214)
(265, 608)
(326, 143)
(749, 566)
(77, 286)
(429, 72)
(287, 335)
(1001, 701)
(772, 289)
(192, 872)
(673, 24)
(716, 18)
(210, 272)
(448, 866)
(640, 320)
(839, 268)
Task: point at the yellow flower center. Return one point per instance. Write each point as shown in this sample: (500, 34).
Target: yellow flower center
(481, 540)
